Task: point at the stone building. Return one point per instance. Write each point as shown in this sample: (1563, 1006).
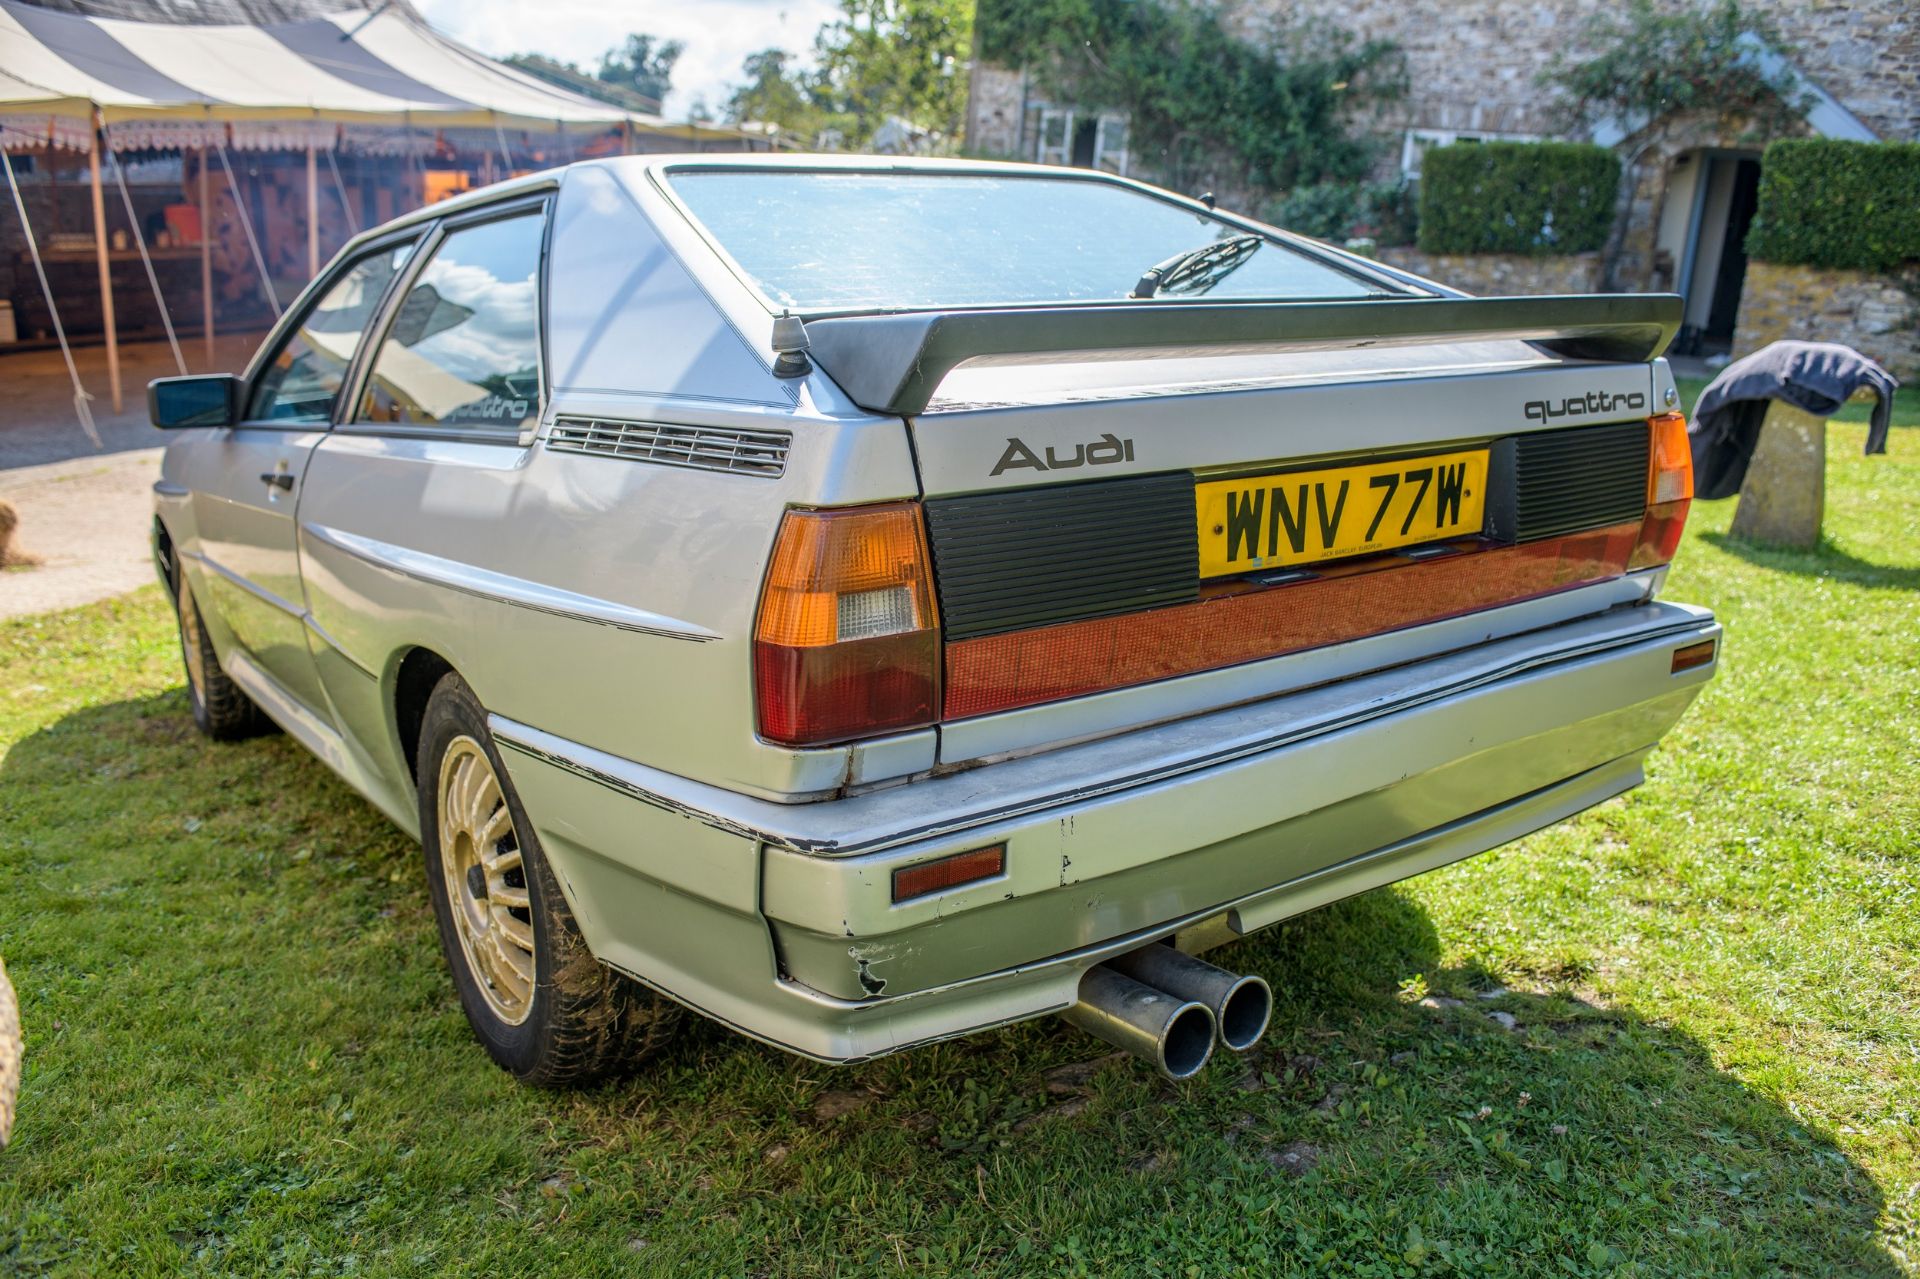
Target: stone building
(1473, 70)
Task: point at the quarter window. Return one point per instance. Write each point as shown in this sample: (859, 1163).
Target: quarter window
(305, 377)
(463, 348)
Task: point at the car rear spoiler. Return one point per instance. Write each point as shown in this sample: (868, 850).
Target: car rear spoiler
(894, 363)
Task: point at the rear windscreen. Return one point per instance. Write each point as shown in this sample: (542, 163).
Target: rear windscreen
(817, 241)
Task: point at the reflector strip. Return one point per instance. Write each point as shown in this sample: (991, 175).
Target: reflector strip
(1685, 659)
(949, 872)
(1023, 668)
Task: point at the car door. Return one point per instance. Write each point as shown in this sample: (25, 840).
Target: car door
(411, 508)
(247, 478)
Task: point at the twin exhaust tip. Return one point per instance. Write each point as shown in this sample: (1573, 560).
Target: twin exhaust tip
(1170, 1009)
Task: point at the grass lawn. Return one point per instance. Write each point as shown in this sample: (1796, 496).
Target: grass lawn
(244, 1055)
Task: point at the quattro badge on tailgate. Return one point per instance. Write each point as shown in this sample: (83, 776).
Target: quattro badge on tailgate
(1302, 517)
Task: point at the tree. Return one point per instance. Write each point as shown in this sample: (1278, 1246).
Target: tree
(643, 65)
(898, 58)
(1643, 64)
(777, 92)
(635, 75)
(880, 60)
(1269, 110)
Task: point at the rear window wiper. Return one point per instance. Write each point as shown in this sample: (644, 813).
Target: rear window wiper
(1197, 270)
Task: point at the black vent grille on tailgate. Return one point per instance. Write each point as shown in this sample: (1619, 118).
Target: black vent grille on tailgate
(1030, 557)
(1553, 482)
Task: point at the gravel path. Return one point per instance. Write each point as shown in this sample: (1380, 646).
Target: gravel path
(85, 513)
(87, 520)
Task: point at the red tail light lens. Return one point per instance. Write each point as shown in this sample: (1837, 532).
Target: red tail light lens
(847, 643)
(1669, 492)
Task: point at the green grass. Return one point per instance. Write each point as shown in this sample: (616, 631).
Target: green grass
(244, 1055)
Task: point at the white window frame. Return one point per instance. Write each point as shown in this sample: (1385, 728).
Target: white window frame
(1112, 159)
(1062, 154)
(1419, 141)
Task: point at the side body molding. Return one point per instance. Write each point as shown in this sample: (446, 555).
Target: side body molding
(504, 588)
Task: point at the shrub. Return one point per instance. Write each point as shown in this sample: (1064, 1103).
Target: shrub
(1336, 211)
(1538, 198)
(1838, 204)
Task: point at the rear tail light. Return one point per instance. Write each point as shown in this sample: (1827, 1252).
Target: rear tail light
(1669, 492)
(847, 643)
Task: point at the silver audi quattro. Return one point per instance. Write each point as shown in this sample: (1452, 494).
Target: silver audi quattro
(868, 602)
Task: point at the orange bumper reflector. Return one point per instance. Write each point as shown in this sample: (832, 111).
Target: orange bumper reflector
(949, 872)
(1685, 659)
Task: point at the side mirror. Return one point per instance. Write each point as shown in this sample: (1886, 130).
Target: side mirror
(210, 399)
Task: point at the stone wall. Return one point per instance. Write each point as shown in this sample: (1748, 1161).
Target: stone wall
(1475, 66)
(1501, 274)
(996, 108)
(1874, 314)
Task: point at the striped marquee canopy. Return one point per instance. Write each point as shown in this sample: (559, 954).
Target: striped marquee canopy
(289, 84)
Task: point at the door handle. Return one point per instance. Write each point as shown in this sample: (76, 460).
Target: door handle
(277, 479)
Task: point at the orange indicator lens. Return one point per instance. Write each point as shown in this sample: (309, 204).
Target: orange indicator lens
(949, 872)
(1685, 659)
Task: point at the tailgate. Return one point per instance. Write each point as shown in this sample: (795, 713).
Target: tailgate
(1107, 519)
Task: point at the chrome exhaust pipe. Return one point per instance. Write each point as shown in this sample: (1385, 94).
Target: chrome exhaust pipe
(1241, 1006)
(1174, 1035)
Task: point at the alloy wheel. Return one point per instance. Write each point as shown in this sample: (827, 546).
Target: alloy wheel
(486, 880)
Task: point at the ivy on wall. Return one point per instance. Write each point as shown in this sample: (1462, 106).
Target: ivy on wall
(1827, 203)
(1640, 63)
(1538, 198)
(1268, 112)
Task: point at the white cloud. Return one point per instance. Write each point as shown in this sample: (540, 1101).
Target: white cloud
(718, 34)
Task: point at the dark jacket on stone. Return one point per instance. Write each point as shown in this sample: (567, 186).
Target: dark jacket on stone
(1815, 377)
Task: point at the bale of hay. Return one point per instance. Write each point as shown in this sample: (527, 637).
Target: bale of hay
(9, 1055)
(10, 554)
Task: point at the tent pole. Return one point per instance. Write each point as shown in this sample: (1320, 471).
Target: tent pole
(206, 259)
(106, 270)
(313, 212)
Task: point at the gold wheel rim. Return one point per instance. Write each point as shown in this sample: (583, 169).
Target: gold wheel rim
(190, 650)
(486, 880)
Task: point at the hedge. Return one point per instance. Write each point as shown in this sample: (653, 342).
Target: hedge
(1337, 211)
(1537, 198)
(1828, 203)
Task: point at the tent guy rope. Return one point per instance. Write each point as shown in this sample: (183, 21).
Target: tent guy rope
(146, 259)
(246, 225)
(80, 396)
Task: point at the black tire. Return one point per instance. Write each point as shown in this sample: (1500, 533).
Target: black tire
(578, 1021)
(220, 709)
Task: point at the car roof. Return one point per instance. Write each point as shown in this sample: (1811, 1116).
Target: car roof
(548, 179)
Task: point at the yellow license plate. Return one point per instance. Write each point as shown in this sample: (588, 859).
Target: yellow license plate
(1302, 517)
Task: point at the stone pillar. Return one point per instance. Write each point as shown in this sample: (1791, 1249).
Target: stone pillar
(1784, 496)
(9, 1056)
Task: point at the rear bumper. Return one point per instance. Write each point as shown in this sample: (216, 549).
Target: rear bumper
(778, 919)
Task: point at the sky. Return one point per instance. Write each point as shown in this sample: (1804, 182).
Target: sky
(718, 34)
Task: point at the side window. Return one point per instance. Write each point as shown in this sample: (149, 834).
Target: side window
(463, 348)
(301, 383)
